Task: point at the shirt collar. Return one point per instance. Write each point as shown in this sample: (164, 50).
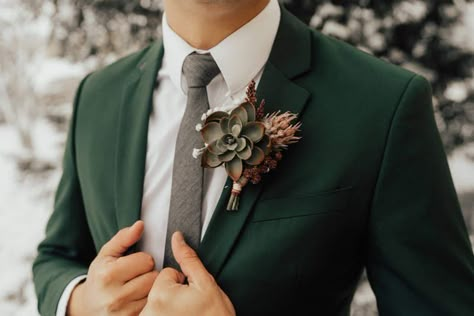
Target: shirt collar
(250, 45)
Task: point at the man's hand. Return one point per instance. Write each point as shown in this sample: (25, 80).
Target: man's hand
(169, 295)
(116, 284)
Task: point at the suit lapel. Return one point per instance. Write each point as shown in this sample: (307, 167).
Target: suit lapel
(132, 136)
(290, 57)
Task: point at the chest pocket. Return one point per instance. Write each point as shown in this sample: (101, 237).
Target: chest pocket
(304, 205)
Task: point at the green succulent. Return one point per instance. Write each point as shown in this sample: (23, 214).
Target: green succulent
(234, 139)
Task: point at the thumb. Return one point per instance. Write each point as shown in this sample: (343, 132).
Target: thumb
(122, 240)
(168, 277)
(189, 261)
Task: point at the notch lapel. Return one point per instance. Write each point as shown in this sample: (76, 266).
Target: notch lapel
(290, 57)
(132, 134)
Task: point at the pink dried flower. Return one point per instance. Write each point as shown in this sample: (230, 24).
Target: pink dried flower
(281, 131)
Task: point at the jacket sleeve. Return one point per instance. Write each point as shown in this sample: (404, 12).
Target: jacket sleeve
(67, 249)
(419, 259)
(61, 309)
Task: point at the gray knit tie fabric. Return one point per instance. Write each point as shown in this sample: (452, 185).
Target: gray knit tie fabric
(187, 182)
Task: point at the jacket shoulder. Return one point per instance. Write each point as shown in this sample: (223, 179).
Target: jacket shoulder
(348, 59)
(114, 75)
(361, 90)
(353, 82)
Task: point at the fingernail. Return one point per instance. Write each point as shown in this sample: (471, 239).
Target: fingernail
(180, 237)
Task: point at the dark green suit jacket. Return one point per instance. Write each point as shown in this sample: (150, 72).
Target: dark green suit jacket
(367, 186)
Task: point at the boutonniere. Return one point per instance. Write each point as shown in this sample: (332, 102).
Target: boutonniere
(248, 142)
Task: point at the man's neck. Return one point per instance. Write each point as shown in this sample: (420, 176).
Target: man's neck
(205, 23)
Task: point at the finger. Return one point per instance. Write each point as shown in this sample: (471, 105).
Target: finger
(128, 267)
(166, 278)
(139, 287)
(189, 261)
(125, 238)
(135, 307)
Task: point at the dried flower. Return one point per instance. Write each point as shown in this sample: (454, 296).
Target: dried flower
(280, 130)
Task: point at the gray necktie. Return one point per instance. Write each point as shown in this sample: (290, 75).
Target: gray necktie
(186, 189)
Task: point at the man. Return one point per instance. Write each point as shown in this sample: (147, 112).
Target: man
(368, 184)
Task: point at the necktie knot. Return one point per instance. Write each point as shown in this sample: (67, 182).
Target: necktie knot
(199, 69)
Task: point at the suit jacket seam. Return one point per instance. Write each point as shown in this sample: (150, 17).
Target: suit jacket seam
(387, 141)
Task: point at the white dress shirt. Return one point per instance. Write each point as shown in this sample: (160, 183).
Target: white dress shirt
(241, 58)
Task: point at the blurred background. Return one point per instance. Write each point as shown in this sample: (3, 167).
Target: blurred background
(47, 46)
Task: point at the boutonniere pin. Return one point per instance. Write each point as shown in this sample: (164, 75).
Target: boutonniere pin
(245, 140)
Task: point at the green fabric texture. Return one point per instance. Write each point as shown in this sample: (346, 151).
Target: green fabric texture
(368, 186)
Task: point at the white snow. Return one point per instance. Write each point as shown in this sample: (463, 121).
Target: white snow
(461, 164)
(54, 70)
(24, 210)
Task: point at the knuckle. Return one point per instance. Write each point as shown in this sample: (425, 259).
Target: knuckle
(162, 297)
(188, 256)
(145, 259)
(210, 286)
(117, 302)
(94, 265)
(156, 297)
(167, 271)
(114, 304)
(105, 276)
(189, 261)
(211, 279)
(103, 248)
(189, 253)
(152, 275)
(148, 260)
